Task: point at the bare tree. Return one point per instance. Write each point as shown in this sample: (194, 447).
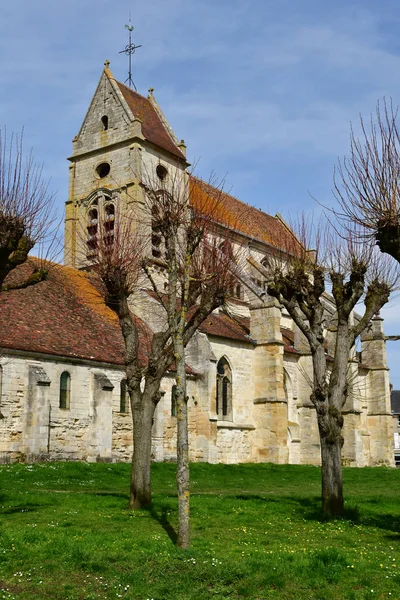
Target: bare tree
(199, 276)
(27, 214)
(367, 182)
(300, 282)
(190, 280)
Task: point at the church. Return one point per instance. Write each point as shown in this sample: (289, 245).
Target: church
(62, 385)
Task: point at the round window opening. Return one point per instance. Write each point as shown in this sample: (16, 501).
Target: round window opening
(103, 170)
(161, 172)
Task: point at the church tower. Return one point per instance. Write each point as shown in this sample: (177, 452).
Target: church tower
(123, 136)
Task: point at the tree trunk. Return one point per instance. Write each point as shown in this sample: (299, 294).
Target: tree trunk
(331, 465)
(182, 443)
(143, 409)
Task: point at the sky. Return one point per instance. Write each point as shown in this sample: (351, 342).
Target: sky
(262, 91)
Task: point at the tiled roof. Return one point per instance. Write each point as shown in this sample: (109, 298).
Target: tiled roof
(153, 128)
(64, 316)
(233, 213)
(288, 340)
(222, 325)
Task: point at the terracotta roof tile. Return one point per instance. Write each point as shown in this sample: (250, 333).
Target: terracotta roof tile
(237, 215)
(65, 316)
(152, 127)
(288, 340)
(222, 325)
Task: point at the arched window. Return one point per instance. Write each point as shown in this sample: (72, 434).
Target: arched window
(123, 397)
(109, 224)
(224, 390)
(104, 121)
(173, 401)
(65, 389)
(156, 238)
(92, 228)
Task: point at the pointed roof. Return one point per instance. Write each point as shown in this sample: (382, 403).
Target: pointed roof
(153, 127)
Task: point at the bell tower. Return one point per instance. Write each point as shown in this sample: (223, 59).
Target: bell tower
(123, 136)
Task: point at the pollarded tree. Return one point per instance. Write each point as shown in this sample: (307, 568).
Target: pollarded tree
(193, 282)
(198, 278)
(26, 208)
(351, 274)
(367, 181)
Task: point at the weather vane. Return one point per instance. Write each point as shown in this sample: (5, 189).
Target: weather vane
(129, 50)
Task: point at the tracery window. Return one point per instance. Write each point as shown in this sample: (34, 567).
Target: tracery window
(156, 238)
(100, 226)
(92, 228)
(65, 390)
(224, 390)
(109, 224)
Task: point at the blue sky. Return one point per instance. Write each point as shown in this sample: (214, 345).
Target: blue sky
(263, 90)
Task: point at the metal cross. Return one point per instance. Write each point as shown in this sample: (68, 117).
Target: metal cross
(129, 50)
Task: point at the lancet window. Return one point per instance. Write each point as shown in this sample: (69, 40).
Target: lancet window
(65, 390)
(224, 390)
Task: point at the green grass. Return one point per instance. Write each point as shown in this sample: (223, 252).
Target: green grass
(257, 534)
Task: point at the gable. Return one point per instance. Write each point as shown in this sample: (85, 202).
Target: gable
(106, 102)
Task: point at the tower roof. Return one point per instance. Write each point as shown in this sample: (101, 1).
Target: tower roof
(154, 126)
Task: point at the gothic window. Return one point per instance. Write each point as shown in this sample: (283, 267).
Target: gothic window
(104, 121)
(156, 238)
(123, 397)
(173, 401)
(224, 390)
(92, 228)
(65, 389)
(109, 224)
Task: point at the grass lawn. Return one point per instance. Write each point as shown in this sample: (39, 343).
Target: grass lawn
(256, 534)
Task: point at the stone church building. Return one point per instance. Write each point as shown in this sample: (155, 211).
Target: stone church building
(62, 387)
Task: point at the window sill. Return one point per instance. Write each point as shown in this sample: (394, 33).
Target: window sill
(232, 425)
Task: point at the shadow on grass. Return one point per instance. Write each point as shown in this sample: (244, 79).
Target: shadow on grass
(310, 509)
(20, 508)
(260, 498)
(387, 522)
(162, 519)
(109, 494)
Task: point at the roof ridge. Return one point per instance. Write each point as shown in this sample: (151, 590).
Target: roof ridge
(162, 117)
(131, 90)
